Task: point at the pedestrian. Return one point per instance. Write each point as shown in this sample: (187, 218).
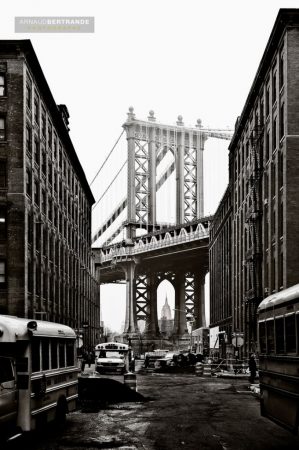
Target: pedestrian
(89, 358)
(252, 368)
(146, 362)
(82, 364)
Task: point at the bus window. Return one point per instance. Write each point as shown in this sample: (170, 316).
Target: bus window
(54, 361)
(6, 370)
(270, 336)
(35, 355)
(45, 354)
(290, 333)
(61, 353)
(70, 357)
(279, 335)
(262, 335)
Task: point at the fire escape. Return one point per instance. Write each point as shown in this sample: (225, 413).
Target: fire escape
(254, 243)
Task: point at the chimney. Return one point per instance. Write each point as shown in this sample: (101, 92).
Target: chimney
(65, 115)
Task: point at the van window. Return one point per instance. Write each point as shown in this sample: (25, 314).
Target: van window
(6, 370)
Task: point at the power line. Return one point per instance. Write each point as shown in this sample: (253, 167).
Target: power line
(107, 157)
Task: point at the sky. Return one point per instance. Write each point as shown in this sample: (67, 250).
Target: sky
(196, 58)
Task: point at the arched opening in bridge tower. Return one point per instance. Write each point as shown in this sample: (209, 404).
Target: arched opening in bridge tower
(113, 309)
(166, 192)
(165, 308)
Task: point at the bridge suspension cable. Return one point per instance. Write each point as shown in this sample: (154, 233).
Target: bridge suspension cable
(107, 157)
(110, 184)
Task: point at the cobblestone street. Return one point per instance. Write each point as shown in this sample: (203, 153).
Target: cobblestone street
(180, 412)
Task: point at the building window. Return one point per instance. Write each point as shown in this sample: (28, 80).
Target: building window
(28, 139)
(44, 201)
(36, 192)
(267, 150)
(2, 224)
(2, 85)
(43, 123)
(36, 109)
(267, 101)
(49, 135)
(281, 122)
(2, 273)
(3, 181)
(55, 217)
(36, 151)
(28, 96)
(274, 90)
(281, 70)
(50, 173)
(262, 113)
(280, 169)
(281, 219)
(55, 183)
(55, 147)
(50, 215)
(44, 164)
(60, 157)
(274, 142)
(2, 129)
(28, 182)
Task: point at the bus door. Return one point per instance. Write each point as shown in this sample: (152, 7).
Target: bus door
(8, 391)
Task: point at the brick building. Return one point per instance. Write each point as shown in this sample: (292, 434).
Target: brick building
(220, 264)
(46, 266)
(264, 187)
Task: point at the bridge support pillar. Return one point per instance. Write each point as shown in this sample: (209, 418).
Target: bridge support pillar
(130, 329)
(152, 328)
(180, 322)
(199, 300)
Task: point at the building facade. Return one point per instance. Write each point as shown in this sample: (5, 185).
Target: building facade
(263, 183)
(220, 264)
(46, 266)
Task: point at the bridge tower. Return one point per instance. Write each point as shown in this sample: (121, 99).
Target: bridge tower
(148, 142)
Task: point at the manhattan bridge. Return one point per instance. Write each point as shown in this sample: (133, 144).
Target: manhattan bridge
(150, 223)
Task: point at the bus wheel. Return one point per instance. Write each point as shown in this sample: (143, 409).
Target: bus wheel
(61, 410)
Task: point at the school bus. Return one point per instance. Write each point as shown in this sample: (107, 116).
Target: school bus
(112, 357)
(278, 327)
(38, 373)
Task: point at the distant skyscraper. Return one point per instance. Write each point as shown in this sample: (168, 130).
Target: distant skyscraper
(166, 311)
(166, 322)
